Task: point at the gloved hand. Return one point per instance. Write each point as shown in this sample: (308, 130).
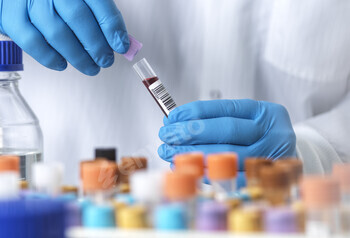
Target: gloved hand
(83, 32)
(249, 128)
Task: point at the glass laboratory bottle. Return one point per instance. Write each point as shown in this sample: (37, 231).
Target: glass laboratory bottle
(20, 132)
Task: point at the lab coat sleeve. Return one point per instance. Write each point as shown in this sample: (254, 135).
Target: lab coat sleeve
(324, 139)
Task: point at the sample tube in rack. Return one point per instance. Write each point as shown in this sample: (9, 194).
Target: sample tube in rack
(222, 172)
(155, 86)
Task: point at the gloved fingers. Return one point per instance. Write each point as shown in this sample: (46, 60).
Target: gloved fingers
(21, 31)
(222, 130)
(244, 108)
(167, 152)
(112, 24)
(82, 22)
(60, 37)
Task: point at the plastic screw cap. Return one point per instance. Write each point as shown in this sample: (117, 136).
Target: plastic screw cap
(11, 58)
(129, 165)
(246, 220)
(133, 217)
(9, 163)
(135, 47)
(320, 191)
(222, 166)
(252, 166)
(147, 186)
(98, 175)
(9, 186)
(274, 177)
(47, 177)
(32, 218)
(98, 216)
(106, 153)
(341, 172)
(195, 159)
(171, 217)
(281, 220)
(66, 189)
(179, 186)
(73, 214)
(294, 165)
(212, 216)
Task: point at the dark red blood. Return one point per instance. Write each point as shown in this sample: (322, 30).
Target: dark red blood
(148, 82)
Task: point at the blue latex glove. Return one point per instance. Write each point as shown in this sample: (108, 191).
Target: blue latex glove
(83, 32)
(249, 128)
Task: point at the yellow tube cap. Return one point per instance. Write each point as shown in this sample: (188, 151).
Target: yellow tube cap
(246, 220)
(133, 217)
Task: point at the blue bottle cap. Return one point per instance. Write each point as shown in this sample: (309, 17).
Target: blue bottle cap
(98, 216)
(171, 217)
(32, 218)
(11, 58)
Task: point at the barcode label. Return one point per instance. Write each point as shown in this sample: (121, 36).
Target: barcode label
(163, 97)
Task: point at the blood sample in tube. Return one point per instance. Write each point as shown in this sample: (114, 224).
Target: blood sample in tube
(155, 86)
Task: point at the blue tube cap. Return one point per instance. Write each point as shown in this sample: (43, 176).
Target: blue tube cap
(171, 217)
(98, 216)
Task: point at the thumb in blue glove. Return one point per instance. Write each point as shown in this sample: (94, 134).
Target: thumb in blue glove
(82, 32)
(249, 128)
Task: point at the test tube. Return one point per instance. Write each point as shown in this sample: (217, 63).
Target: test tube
(296, 169)
(47, 178)
(180, 187)
(155, 86)
(140, 184)
(9, 187)
(99, 179)
(252, 168)
(99, 184)
(222, 172)
(321, 196)
(128, 166)
(191, 161)
(9, 177)
(341, 172)
(275, 182)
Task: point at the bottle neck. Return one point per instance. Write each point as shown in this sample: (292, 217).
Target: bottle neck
(9, 76)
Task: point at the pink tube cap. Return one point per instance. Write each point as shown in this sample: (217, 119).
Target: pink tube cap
(135, 47)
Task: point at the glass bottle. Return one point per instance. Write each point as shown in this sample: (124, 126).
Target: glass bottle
(20, 132)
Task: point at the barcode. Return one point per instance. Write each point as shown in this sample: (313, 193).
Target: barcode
(162, 94)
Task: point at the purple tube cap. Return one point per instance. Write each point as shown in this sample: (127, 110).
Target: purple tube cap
(135, 47)
(212, 216)
(281, 220)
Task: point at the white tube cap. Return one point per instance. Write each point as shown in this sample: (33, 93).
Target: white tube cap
(146, 186)
(47, 177)
(9, 185)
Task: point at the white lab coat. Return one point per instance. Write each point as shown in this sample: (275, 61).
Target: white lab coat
(292, 52)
